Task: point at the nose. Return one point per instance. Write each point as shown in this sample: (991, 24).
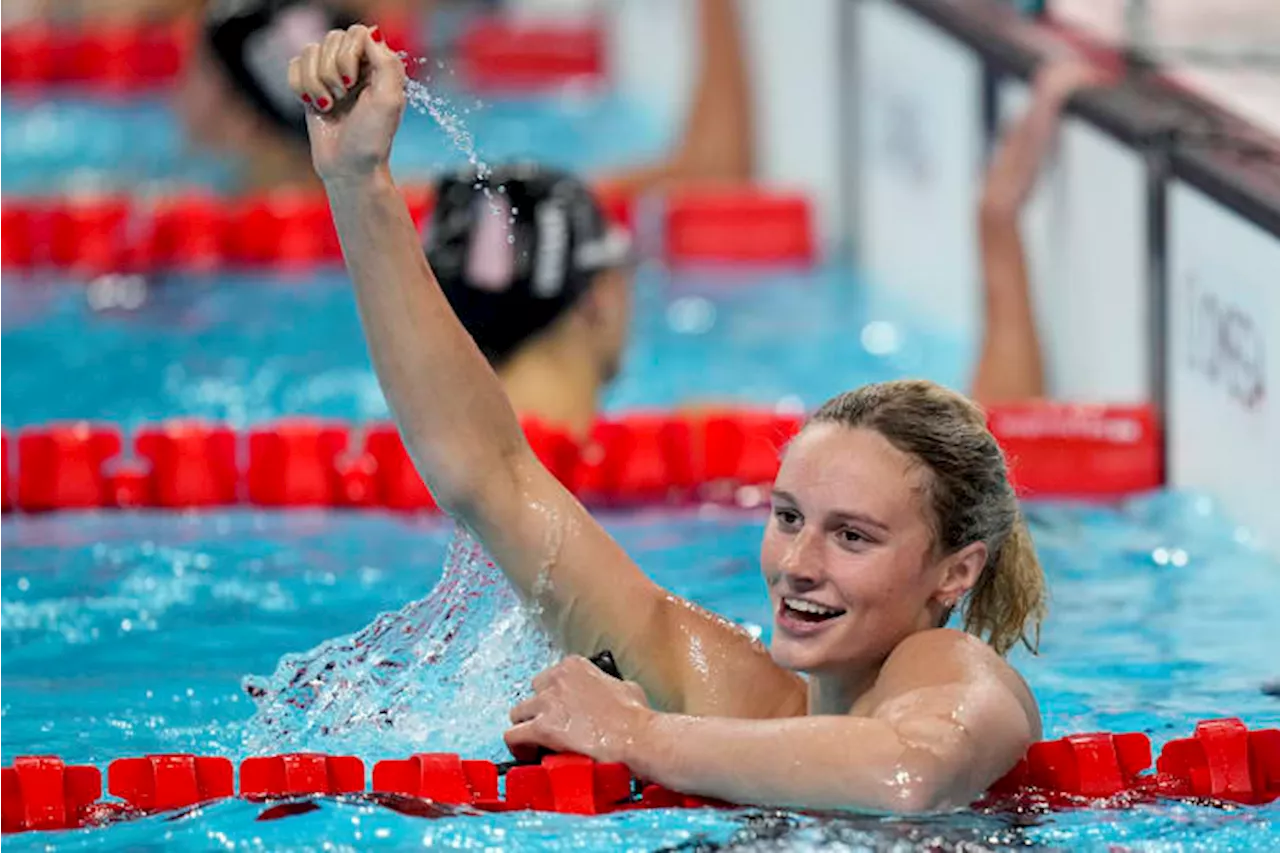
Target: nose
(801, 564)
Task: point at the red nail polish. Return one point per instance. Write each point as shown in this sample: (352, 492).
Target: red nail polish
(346, 81)
(306, 99)
(375, 34)
(323, 103)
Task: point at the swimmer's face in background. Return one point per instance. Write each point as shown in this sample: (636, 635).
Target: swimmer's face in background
(848, 553)
(213, 114)
(609, 305)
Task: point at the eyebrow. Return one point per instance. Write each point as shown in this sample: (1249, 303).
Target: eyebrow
(845, 514)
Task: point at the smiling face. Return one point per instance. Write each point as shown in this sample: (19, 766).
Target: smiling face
(848, 554)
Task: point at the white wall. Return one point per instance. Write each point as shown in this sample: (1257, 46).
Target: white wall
(1224, 359)
(919, 128)
(1084, 231)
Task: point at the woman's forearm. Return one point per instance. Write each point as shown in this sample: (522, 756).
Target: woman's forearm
(457, 423)
(802, 762)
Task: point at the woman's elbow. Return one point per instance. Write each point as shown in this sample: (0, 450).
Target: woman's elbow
(922, 784)
(920, 796)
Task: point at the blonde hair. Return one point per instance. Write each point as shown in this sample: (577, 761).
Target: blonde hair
(969, 494)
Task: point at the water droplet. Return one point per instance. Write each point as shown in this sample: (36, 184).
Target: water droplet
(24, 584)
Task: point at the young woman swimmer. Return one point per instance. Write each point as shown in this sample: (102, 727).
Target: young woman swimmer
(892, 507)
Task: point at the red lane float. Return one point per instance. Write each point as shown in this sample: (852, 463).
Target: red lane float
(500, 55)
(399, 486)
(42, 792)
(18, 233)
(1066, 449)
(301, 773)
(187, 233)
(61, 467)
(191, 464)
(1091, 765)
(110, 59)
(162, 782)
(294, 463)
(719, 456)
(440, 777)
(745, 448)
(6, 496)
(739, 225)
(639, 459)
(193, 232)
(1223, 761)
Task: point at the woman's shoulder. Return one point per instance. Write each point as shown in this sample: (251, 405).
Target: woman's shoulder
(944, 656)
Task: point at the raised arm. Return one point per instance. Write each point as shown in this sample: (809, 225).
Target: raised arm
(1010, 364)
(946, 718)
(456, 422)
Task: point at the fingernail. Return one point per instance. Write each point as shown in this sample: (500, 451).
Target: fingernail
(375, 34)
(306, 99)
(323, 103)
(346, 81)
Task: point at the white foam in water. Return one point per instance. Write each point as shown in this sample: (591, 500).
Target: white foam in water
(441, 674)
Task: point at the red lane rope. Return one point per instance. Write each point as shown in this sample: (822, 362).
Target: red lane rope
(494, 55)
(1223, 760)
(293, 231)
(726, 456)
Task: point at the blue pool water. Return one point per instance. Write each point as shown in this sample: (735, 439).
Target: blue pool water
(129, 633)
(138, 146)
(249, 349)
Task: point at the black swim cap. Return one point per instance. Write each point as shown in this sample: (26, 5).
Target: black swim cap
(253, 41)
(515, 248)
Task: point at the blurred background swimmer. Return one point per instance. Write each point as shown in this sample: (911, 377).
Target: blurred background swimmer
(231, 102)
(544, 288)
(541, 281)
(231, 99)
(1010, 362)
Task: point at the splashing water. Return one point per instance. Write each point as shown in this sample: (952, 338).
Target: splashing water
(440, 110)
(441, 674)
(421, 98)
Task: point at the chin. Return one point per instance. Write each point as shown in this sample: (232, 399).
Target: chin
(789, 654)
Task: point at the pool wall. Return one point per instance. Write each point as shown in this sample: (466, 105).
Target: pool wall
(1154, 238)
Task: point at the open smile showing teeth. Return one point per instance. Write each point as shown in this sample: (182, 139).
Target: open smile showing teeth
(808, 611)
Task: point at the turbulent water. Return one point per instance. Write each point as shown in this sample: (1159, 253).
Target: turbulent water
(440, 674)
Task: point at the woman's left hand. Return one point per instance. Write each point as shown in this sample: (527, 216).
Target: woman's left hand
(577, 708)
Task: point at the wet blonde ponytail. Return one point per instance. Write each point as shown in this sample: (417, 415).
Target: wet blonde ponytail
(1007, 603)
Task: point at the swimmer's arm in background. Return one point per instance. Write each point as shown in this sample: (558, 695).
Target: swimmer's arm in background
(717, 143)
(459, 426)
(948, 720)
(1010, 364)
